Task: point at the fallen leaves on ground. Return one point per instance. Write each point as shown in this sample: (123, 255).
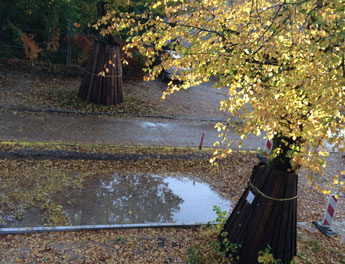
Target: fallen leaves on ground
(30, 182)
(144, 245)
(22, 179)
(314, 247)
(32, 87)
(147, 245)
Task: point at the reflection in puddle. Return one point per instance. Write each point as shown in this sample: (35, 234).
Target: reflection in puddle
(148, 124)
(198, 201)
(133, 199)
(123, 199)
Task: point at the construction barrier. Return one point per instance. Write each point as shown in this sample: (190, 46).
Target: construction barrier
(325, 225)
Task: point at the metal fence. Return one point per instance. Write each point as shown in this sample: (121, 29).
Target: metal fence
(54, 47)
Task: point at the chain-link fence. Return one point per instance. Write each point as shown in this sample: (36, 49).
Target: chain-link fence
(52, 47)
(62, 48)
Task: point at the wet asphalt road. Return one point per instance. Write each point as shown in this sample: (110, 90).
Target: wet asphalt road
(67, 128)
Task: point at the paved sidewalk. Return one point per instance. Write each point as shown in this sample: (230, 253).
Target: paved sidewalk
(50, 127)
(125, 131)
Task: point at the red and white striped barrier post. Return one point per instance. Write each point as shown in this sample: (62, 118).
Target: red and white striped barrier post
(201, 141)
(325, 225)
(268, 147)
(330, 210)
(266, 151)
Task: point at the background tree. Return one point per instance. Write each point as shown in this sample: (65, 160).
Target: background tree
(49, 25)
(102, 83)
(48, 28)
(283, 65)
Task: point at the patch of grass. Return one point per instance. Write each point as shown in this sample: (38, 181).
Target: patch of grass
(208, 248)
(69, 100)
(266, 257)
(120, 240)
(195, 255)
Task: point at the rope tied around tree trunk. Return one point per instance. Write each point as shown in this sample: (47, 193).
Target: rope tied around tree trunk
(269, 197)
(105, 76)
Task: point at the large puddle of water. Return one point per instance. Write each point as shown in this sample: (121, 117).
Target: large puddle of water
(134, 199)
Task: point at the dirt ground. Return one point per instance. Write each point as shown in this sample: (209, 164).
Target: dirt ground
(147, 245)
(160, 245)
(36, 88)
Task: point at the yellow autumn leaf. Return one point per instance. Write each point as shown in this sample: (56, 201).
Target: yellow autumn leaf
(287, 86)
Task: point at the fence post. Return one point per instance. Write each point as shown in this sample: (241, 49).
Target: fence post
(69, 51)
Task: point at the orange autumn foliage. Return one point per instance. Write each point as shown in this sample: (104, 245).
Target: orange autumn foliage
(31, 48)
(53, 44)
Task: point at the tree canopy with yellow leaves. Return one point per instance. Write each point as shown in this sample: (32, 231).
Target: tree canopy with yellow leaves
(282, 62)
